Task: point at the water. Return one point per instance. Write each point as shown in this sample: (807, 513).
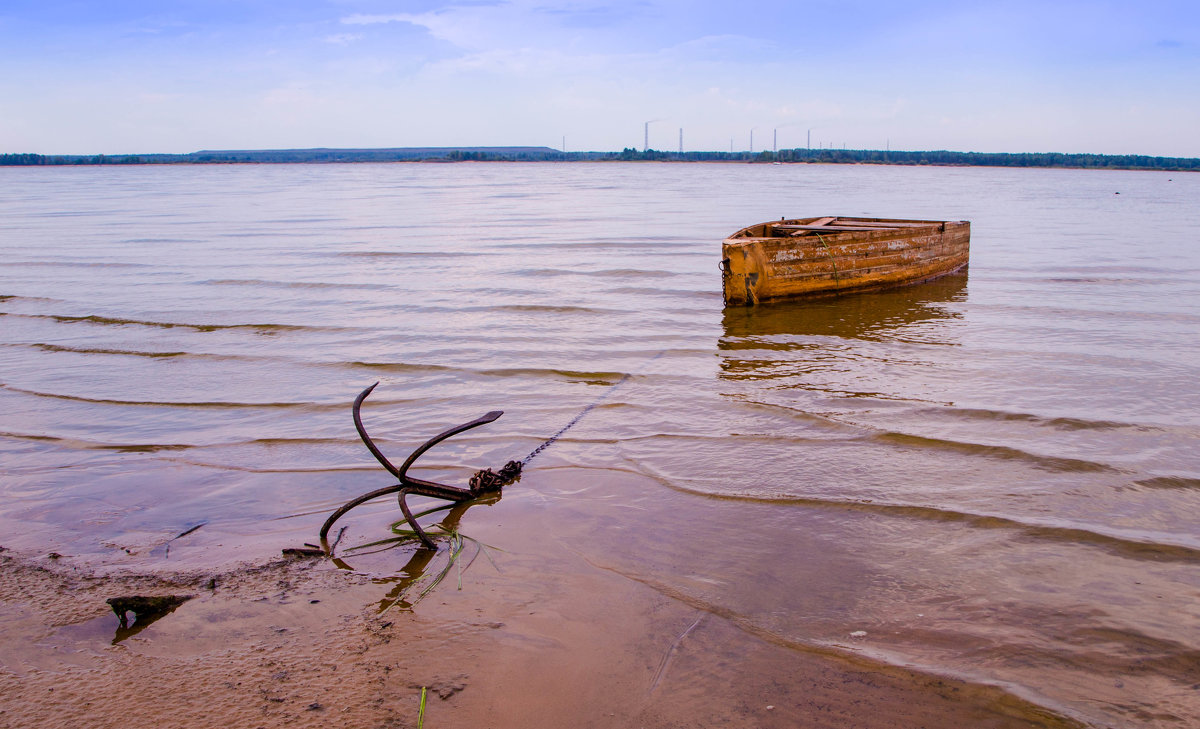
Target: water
(993, 476)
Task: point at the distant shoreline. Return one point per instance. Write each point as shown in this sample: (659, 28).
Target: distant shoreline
(547, 154)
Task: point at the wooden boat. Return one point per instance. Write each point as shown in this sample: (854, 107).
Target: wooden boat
(810, 257)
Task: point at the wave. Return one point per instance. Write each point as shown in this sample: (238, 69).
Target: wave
(640, 244)
(543, 309)
(1116, 543)
(77, 264)
(264, 234)
(261, 283)
(591, 378)
(544, 272)
(579, 376)
(372, 468)
(400, 254)
(4, 298)
(292, 221)
(1113, 541)
(1050, 463)
(1169, 482)
(1029, 706)
(1058, 423)
(1145, 653)
(88, 445)
(87, 350)
(214, 404)
(1020, 273)
(631, 273)
(404, 367)
(117, 321)
(204, 356)
(286, 442)
(606, 273)
(658, 291)
(1041, 312)
(1154, 281)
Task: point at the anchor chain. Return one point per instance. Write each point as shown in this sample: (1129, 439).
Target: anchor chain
(487, 480)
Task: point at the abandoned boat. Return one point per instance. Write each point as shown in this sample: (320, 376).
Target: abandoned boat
(809, 257)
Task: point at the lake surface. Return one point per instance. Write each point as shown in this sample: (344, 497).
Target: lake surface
(993, 476)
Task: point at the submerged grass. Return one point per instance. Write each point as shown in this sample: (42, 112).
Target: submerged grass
(420, 579)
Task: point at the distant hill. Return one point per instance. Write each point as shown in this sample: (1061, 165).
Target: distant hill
(393, 154)
(294, 156)
(548, 154)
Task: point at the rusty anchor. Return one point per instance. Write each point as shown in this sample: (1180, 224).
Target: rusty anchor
(483, 482)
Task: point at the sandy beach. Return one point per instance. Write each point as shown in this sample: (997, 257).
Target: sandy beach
(550, 636)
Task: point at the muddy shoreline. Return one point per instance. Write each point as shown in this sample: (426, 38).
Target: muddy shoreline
(550, 635)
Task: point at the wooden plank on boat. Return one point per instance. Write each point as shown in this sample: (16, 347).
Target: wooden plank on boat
(831, 227)
(888, 223)
(791, 231)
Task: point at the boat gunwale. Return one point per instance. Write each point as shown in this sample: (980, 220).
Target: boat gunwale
(853, 226)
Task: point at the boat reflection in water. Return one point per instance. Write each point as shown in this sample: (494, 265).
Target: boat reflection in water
(803, 339)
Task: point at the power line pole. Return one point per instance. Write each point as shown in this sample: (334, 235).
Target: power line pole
(646, 135)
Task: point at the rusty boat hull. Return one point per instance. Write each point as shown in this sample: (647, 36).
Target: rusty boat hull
(814, 257)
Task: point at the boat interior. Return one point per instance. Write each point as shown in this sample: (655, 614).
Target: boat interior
(812, 226)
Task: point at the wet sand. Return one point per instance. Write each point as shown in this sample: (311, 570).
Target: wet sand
(550, 637)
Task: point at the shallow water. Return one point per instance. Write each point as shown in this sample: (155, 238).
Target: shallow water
(992, 475)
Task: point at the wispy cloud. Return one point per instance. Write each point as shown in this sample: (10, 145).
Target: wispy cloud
(343, 39)
(473, 28)
(361, 19)
(529, 23)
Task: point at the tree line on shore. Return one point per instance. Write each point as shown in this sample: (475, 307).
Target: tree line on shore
(547, 154)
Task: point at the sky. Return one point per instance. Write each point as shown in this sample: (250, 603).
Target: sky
(166, 76)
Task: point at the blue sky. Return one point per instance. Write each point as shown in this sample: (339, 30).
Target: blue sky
(139, 76)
